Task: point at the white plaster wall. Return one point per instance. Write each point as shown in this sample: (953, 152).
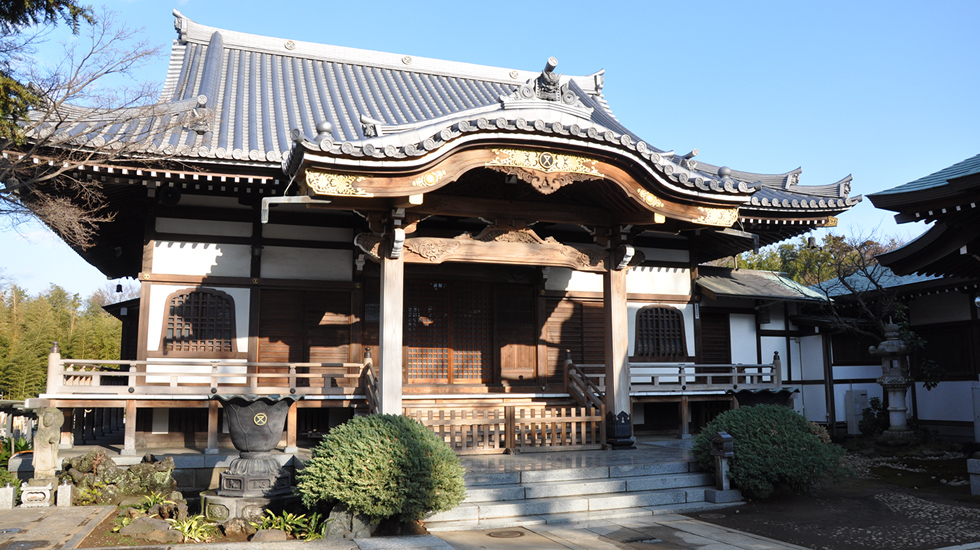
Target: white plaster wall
(307, 233)
(796, 366)
(687, 311)
(318, 264)
(659, 280)
(814, 401)
(666, 255)
(158, 311)
(950, 401)
(204, 227)
(811, 357)
(211, 201)
(744, 346)
(569, 280)
(201, 259)
(940, 308)
(844, 372)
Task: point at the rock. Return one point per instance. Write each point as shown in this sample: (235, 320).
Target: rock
(237, 527)
(268, 535)
(343, 524)
(152, 529)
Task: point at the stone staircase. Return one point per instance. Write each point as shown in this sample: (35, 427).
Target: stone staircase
(544, 492)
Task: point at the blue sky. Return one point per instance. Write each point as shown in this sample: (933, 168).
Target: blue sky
(886, 91)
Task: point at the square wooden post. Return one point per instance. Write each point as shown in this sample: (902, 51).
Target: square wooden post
(619, 419)
(129, 439)
(392, 322)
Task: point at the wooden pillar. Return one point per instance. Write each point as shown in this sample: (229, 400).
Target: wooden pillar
(129, 439)
(392, 321)
(685, 411)
(212, 448)
(78, 426)
(291, 430)
(619, 421)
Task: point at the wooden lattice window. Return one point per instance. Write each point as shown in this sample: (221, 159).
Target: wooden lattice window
(199, 322)
(660, 334)
(448, 332)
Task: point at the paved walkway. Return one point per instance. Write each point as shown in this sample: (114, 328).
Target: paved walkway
(66, 528)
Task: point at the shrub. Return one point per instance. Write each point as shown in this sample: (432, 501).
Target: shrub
(774, 447)
(874, 419)
(383, 466)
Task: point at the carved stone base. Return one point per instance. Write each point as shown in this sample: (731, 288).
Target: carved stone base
(220, 509)
(254, 475)
(36, 496)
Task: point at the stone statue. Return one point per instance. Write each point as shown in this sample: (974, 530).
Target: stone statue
(46, 440)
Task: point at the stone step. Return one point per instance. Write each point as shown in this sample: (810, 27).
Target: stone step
(565, 504)
(475, 479)
(507, 492)
(571, 517)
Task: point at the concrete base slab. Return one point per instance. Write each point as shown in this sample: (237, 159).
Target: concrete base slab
(511, 538)
(718, 496)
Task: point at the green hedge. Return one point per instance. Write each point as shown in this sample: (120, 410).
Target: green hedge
(774, 447)
(383, 466)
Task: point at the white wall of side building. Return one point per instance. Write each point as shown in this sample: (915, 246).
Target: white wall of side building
(745, 347)
(949, 401)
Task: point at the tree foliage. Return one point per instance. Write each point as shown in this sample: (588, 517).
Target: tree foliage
(55, 116)
(29, 324)
(774, 447)
(383, 466)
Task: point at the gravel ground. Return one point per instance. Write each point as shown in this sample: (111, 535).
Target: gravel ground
(896, 504)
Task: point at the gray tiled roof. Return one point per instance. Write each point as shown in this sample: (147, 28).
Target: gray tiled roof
(967, 167)
(750, 283)
(233, 97)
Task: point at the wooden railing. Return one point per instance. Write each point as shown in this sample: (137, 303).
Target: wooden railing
(369, 381)
(200, 377)
(580, 386)
(653, 378)
(515, 428)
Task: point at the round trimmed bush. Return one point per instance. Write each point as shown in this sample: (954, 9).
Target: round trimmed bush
(383, 466)
(774, 447)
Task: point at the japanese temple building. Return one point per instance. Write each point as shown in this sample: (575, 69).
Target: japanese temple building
(390, 233)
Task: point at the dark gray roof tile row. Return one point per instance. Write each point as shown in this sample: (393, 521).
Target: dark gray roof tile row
(240, 98)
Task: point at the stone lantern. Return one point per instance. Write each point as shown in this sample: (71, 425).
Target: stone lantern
(894, 378)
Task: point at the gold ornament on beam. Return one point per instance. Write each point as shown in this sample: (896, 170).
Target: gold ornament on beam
(649, 198)
(545, 171)
(720, 217)
(831, 221)
(430, 179)
(330, 183)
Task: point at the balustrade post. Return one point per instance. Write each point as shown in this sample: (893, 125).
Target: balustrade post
(777, 369)
(292, 378)
(510, 440)
(568, 365)
(212, 447)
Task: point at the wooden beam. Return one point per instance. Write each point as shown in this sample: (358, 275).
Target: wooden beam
(129, 439)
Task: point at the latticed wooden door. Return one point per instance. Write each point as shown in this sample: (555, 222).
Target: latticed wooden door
(448, 333)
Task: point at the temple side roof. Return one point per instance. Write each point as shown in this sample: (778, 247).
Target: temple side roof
(935, 185)
(237, 98)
